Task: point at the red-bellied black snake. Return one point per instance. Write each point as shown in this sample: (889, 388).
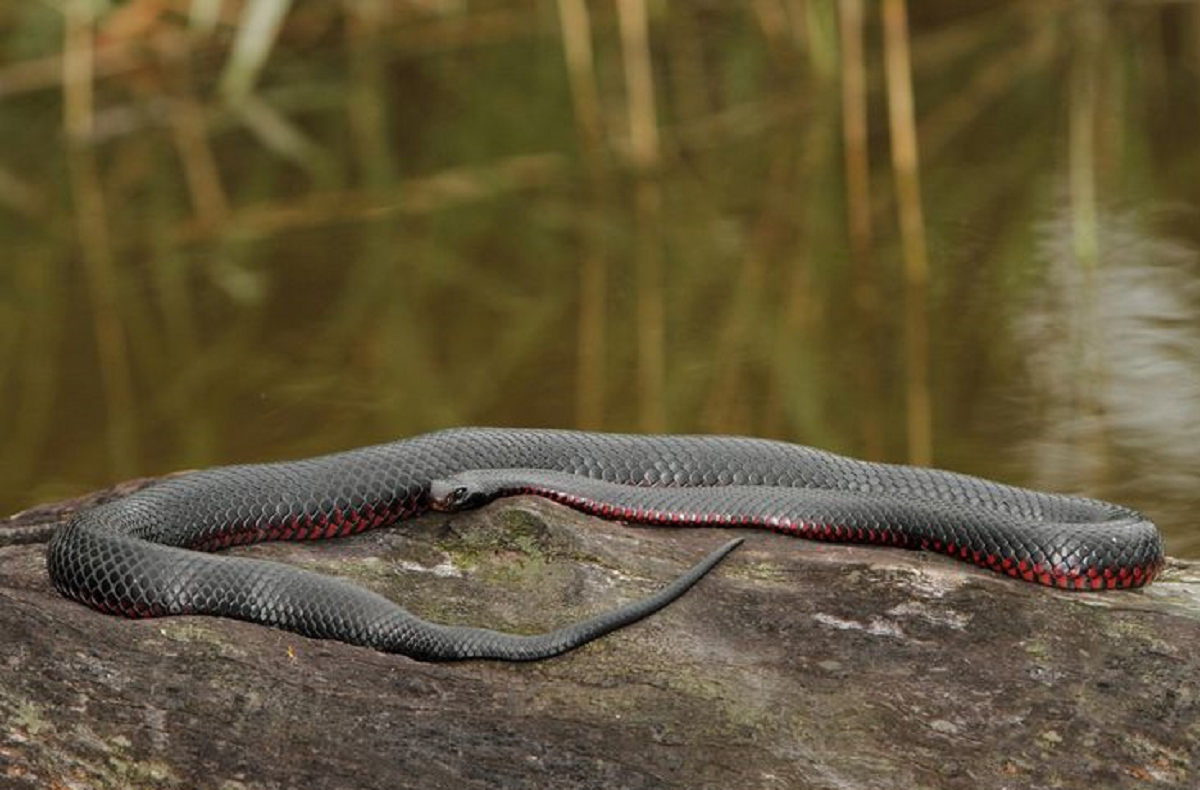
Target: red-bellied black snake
(144, 555)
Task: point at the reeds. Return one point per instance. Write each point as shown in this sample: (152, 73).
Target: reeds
(645, 155)
(95, 243)
(906, 170)
(590, 381)
(856, 152)
(380, 218)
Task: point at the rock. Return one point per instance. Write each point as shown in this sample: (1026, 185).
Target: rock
(795, 664)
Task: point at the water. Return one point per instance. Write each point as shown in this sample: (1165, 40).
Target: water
(425, 218)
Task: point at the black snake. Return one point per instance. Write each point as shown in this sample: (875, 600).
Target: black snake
(142, 556)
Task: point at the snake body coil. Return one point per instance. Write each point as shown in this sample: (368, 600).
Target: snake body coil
(141, 556)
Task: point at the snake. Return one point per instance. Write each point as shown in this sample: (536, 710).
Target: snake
(150, 554)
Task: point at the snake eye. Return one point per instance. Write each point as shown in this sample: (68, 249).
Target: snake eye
(460, 494)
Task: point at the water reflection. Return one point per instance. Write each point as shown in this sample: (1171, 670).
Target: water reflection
(382, 220)
(1114, 363)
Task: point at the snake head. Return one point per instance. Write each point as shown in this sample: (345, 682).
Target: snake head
(454, 494)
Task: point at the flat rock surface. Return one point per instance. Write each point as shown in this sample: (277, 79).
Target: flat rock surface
(794, 665)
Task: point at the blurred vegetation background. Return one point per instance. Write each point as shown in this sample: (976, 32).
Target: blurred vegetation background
(936, 232)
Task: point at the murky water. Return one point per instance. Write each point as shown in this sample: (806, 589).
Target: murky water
(428, 217)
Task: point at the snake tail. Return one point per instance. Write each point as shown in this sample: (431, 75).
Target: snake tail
(142, 579)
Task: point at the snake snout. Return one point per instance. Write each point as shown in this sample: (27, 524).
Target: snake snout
(452, 495)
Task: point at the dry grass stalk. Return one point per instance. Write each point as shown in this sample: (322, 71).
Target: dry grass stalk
(92, 226)
(905, 164)
(576, 27)
(855, 146)
(644, 146)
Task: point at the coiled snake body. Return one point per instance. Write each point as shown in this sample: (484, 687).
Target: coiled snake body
(142, 555)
